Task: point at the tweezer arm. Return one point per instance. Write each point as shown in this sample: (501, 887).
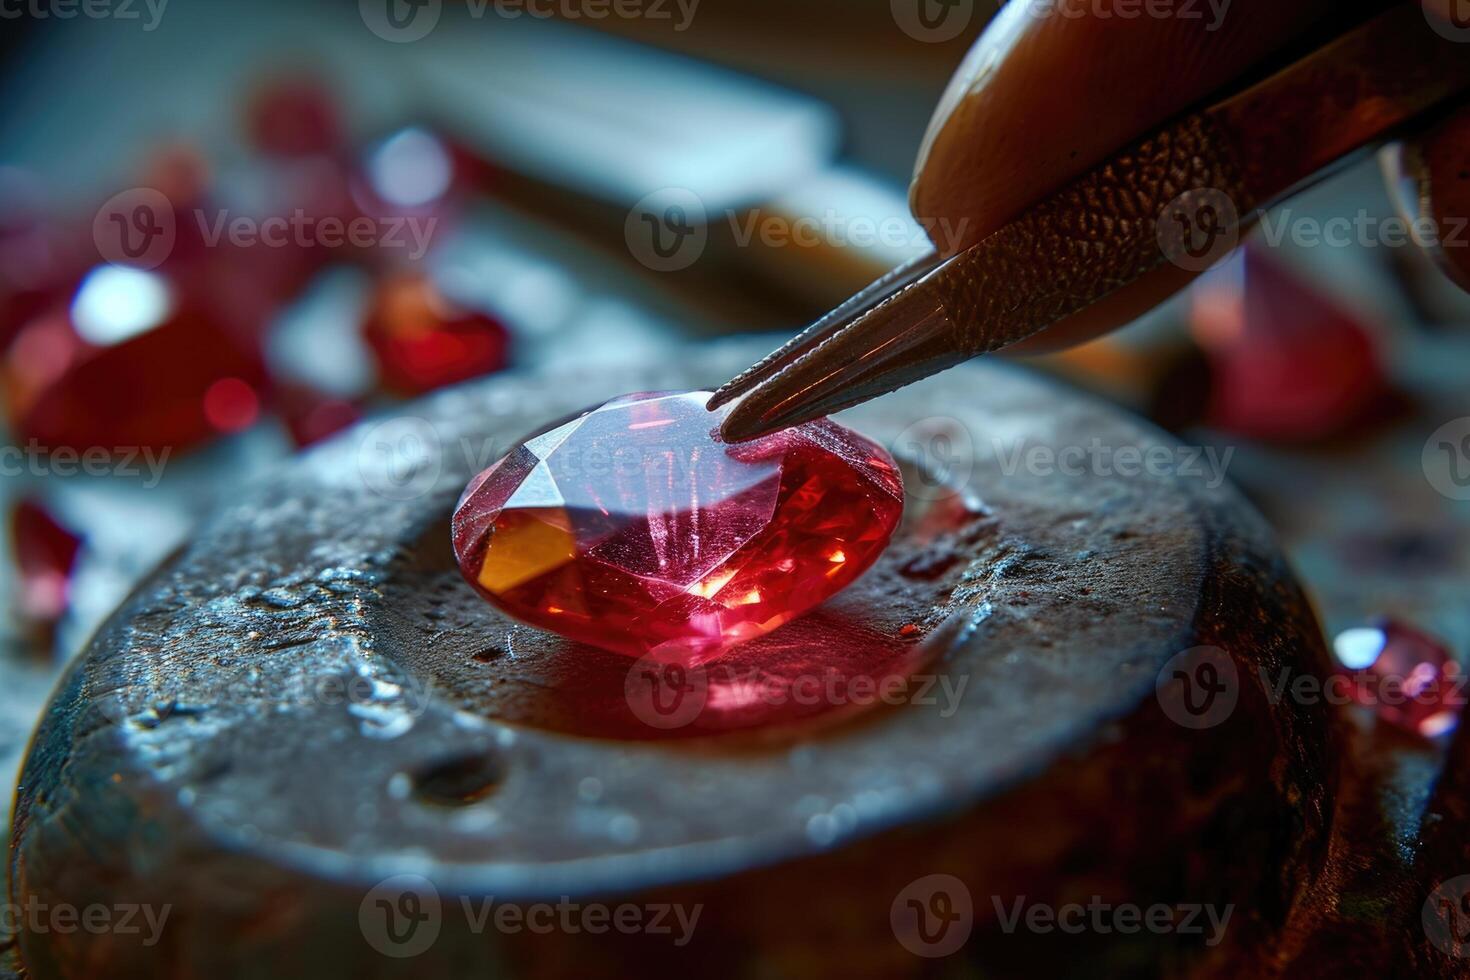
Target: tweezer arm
(1211, 170)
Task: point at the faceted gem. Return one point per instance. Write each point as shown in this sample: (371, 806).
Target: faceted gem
(1406, 676)
(635, 528)
(1285, 361)
(130, 365)
(45, 553)
(423, 341)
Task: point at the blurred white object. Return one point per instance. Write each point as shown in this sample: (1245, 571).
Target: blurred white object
(618, 121)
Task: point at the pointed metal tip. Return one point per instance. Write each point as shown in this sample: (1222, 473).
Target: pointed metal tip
(745, 424)
(723, 396)
(823, 330)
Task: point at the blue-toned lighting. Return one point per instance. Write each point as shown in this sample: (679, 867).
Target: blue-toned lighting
(410, 168)
(1360, 647)
(116, 302)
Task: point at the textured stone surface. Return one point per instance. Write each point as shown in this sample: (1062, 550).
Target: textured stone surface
(310, 698)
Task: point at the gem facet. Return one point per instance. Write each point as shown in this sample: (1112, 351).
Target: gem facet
(1406, 676)
(635, 528)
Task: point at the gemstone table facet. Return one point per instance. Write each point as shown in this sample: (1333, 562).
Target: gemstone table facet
(635, 528)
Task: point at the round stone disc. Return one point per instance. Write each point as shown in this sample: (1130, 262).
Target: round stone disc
(308, 738)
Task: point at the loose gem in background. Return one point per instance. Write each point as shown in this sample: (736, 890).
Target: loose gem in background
(1406, 676)
(422, 341)
(635, 528)
(131, 363)
(1286, 362)
(45, 553)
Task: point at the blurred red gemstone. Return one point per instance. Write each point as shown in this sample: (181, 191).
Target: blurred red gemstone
(45, 554)
(127, 366)
(635, 528)
(1285, 361)
(423, 341)
(41, 258)
(311, 416)
(1407, 677)
(293, 116)
(231, 404)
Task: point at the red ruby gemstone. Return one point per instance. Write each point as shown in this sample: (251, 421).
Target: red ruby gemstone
(131, 364)
(423, 341)
(1406, 676)
(1286, 361)
(45, 553)
(635, 528)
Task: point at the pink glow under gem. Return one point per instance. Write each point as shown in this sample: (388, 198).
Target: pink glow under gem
(634, 528)
(1406, 676)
